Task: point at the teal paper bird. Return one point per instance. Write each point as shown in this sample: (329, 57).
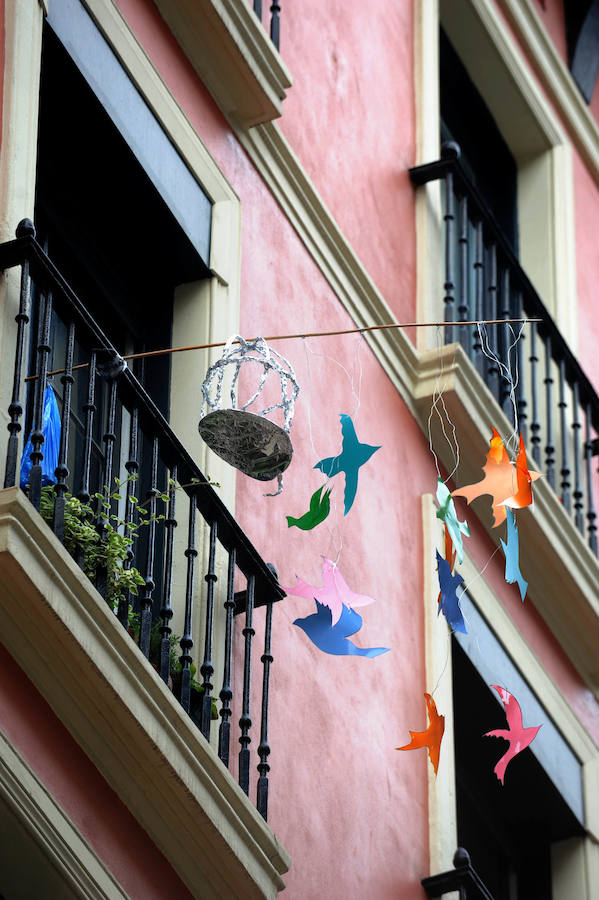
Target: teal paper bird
(448, 514)
(353, 455)
(512, 553)
(320, 507)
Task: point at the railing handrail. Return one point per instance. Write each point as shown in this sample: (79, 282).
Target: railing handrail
(450, 164)
(190, 476)
(461, 878)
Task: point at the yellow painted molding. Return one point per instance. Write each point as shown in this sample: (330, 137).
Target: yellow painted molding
(556, 78)
(71, 863)
(112, 701)
(562, 572)
(233, 55)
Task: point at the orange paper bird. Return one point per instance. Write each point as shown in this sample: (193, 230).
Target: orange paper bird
(430, 738)
(450, 554)
(524, 480)
(501, 479)
(519, 737)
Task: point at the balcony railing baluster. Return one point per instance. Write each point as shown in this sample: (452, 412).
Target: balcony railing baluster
(187, 640)
(245, 722)
(207, 668)
(588, 456)
(166, 610)
(132, 469)
(105, 506)
(275, 24)
(62, 470)
(226, 693)
(37, 435)
(549, 354)
(264, 749)
(145, 619)
(463, 270)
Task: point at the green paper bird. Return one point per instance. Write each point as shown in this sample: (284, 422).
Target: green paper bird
(448, 514)
(320, 507)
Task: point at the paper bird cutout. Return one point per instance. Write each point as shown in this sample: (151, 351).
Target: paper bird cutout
(499, 480)
(333, 593)
(352, 456)
(320, 507)
(449, 604)
(511, 551)
(333, 638)
(450, 554)
(519, 737)
(431, 738)
(447, 513)
(524, 480)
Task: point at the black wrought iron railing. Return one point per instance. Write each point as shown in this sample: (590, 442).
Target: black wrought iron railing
(275, 20)
(557, 407)
(463, 878)
(118, 432)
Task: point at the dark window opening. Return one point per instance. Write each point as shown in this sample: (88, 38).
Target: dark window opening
(486, 157)
(507, 830)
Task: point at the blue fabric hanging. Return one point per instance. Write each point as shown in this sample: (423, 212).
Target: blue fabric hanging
(50, 447)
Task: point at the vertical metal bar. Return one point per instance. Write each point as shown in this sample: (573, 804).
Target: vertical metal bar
(145, 624)
(521, 402)
(505, 385)
(89, 409)
(492, 377)
(207, 668)
(62, 470)
(588, 455)
(15, 410)
(449, 285)
(187, 641)
(565, 469)
(578, 495)
(535, 425)
(275, 23)
(245, 722)
(478, 298)
(226, 693)
(549, 448)
(264, 749)
(132, 467)
(37, 435)
(258, 8)
(463, 269)
(105, 506)
(166, 611)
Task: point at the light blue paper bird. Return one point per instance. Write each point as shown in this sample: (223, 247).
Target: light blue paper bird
(512, 554)
(448, 514)
(353, 455)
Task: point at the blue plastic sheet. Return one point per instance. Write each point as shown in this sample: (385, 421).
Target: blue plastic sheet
(50, 447)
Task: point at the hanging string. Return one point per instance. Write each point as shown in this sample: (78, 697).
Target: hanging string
(438, 398)
(289, 337)
(505, 372)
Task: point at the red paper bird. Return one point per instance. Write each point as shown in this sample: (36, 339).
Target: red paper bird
(518, 736)
(430, 738)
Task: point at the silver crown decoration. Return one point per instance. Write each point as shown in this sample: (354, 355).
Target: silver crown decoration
(255, 445)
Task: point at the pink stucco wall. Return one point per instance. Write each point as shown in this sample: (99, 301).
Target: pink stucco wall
(77, 786)
(350, 809)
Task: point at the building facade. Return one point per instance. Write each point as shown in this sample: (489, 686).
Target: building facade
(173, 173)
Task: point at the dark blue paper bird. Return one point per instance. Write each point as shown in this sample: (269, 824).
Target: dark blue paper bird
(353, 455)
(449, 604)
(333, 638)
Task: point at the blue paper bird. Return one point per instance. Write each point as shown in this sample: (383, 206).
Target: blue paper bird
(333, 638)
(449, 604)
(353, 455)
(512, 552)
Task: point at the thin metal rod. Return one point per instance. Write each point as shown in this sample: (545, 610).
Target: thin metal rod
(308, 334)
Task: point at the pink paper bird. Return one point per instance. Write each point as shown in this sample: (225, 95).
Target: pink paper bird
(519, 737)
(333, 593)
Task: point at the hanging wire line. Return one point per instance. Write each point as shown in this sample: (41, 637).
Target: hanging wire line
(288, 337)
(506, 372)
(438, 398)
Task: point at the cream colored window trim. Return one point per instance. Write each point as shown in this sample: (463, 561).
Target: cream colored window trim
(233, 55)
(580, 860)
(61, 632)
(531, 130)
(70, 858)
(557, 79)
(561, 570)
